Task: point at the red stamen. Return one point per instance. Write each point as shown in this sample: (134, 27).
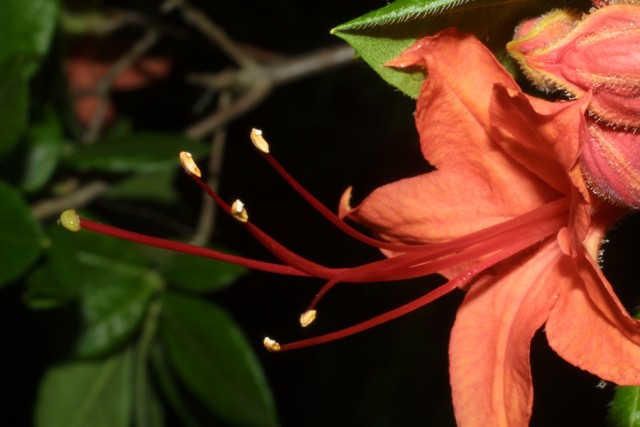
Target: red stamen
(420, 302)
(186, 248)
(412, 265)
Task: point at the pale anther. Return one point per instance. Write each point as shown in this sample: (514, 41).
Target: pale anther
(270, 344)
(239, 212)
(189, 165)
(70, 220)
(258, 140)
(307, 318)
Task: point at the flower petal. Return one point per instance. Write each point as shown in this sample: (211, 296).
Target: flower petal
(491, 339)
(477, 184)
(590, 329)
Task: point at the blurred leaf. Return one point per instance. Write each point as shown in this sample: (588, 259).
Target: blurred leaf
(14, 102)
(113, 307)
(45, 141)
(383, 34)
(27, 27)
(86, 394)
(148, 408)
(110, 281)
(20, 235)
(170, 389)
(197, 274)
(44, 291)
(153, 186)
(210, 354)
(625, 407)
(142, 152)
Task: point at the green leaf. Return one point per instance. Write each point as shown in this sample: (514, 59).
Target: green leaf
(20, 235)
(142, 152)
(27, 27)
(197, 274)
(383, 34)
(625, 408)
(213, 358)
(14, 102)
(153, 186)
(86, 394)
(111, 282)
(45, 142)
(170, 388)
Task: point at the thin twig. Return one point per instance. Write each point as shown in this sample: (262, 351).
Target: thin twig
(221, 117)
(103, 87)
(79, 198)
(258, 81)
(211, 30)
(208, 211)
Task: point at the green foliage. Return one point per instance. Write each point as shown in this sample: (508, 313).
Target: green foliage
(142, 152)
(200, 274)
(20, 235)
(93, 393)
(213, 358)
(625, 408)
(381, 35)
(14, 102)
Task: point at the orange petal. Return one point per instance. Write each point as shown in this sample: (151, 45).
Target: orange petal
(477, 184)
(491, 340)
(590, 329)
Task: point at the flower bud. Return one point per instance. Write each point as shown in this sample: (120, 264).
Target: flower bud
(598, 54)
(610, 161)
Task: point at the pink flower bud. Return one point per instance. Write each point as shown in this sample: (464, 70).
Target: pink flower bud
(610, 161)
(599, 54)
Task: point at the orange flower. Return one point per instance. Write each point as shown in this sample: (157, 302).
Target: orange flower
(500, 154)
(599, 54)
(506, 216)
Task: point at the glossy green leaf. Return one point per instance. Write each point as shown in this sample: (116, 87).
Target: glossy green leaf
(625, 408)
(27, 27)
(156, 186)
(14, 102)
(148, 407)
(110, 281)
(142, 152)
(383, 34)
(45, 141)
(93, 393)
(197, 274)
(20, 235)
(171, 389)
(212, 357)
(45, 292)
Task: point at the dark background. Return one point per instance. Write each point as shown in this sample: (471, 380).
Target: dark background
(343, 127)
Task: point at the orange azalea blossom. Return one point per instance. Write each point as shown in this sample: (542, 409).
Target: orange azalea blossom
(506, 216)
(596, 55)
(500, 154)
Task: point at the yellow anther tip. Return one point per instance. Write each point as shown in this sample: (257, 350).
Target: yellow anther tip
(307, 318)
(239, 212)
(189, 165)
(271, 345)
(258, 140)
(70, 220)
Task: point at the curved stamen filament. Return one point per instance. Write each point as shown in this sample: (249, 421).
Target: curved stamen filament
(420, 302)
(412, 265)
(188, 249)
(424, 251)
(352, 232)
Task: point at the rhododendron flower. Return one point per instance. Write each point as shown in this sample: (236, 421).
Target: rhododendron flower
(505, 216)
(89, 62)
(598, 55)
(595, 56)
